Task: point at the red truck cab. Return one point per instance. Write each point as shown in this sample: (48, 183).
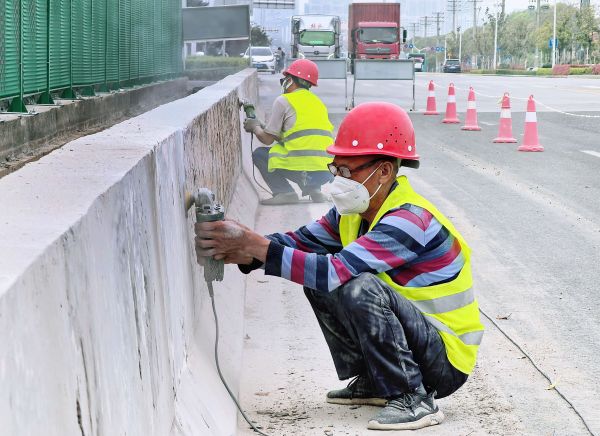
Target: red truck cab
(377, 40)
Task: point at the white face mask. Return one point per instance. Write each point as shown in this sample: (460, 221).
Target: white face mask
(286, 84)
(351, 197)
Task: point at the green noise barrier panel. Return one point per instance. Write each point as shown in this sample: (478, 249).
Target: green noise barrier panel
(60, 46)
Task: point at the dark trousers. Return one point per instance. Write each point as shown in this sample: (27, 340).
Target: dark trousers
(372, 330)
(308, 181)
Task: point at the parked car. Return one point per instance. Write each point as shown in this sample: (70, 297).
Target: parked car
(263, 58)
(452, 66)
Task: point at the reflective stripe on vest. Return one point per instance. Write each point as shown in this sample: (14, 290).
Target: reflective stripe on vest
(450, 307)
(302, 147)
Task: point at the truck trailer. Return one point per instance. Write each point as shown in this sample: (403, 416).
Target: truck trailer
(374, 31)
(315, 36)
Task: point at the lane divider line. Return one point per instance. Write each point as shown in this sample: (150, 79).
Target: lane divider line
(590, 152)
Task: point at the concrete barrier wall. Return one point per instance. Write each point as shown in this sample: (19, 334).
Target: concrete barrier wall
(106, 326)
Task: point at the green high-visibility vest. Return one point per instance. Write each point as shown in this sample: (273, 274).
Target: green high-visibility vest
(302, 148)
(450, 307)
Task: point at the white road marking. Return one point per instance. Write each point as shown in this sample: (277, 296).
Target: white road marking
(593, 153)
(485, 123)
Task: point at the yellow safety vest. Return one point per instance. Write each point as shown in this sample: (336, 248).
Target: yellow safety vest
(302, 147)
(450, 307)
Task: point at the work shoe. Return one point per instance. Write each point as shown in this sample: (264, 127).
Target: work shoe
(358, 391)
(408, 412)
(281, 198)
(318, 197)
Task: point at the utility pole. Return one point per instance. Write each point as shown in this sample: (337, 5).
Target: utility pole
(415, 28)
(439, 18)
(474, 59)
(496, 39)
(554, 38)
(459, 44)
(537, 29)
(454, 7)
(475, 3)
(425, 24)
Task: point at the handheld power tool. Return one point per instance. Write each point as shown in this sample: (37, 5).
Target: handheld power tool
(208, 210)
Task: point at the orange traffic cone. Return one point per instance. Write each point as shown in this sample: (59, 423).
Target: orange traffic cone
(530, 138)
(431, 107)
(505, 131)
(451, 117)
(471, 121)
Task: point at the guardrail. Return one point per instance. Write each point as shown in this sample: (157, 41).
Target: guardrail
(50, 46)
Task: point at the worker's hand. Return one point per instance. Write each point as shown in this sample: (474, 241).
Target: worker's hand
(229, 241)
(250, 124)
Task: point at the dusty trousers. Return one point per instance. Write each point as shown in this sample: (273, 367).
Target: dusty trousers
(277, 181)
(374, 331)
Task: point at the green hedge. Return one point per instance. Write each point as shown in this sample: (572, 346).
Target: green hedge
(193, 63)
(502, 71)
(538, 72)
(580, 70)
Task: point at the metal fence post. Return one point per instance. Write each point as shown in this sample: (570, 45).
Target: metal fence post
(17, 104)
(104, 87)
(69, 93)
(46, 96)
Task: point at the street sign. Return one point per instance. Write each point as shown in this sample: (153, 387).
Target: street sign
(550, 43)
(216, 23)
(410, 46)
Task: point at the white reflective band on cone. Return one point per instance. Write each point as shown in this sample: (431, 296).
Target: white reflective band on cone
(452, 99)
(530, 117)
(470, 104)
(431, 93)
(505, 113)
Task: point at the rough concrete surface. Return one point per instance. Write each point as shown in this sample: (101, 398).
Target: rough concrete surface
(105, 322)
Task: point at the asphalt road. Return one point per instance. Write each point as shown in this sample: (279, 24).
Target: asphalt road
(533, 222)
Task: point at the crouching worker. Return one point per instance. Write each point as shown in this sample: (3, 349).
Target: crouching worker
(387, 275)
(300, 128)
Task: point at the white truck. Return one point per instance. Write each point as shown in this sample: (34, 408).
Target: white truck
(315, 36)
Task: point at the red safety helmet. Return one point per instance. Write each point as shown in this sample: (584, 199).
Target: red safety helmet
(303, 69)
(377, 128)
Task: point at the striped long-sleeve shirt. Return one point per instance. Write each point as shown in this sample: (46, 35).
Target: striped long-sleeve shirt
(408, 243)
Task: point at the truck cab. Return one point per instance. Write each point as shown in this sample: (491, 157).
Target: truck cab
(315, 36)
(377, 40)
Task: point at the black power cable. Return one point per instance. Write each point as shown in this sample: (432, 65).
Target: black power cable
(535, 365)
(237, 404)
(253, 173)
